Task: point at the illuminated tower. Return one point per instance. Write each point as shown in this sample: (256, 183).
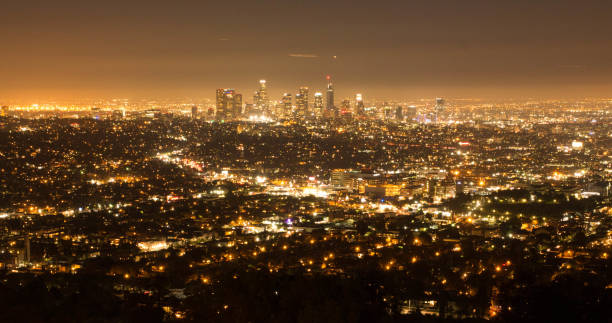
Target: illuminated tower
(220, 105)
(286, 105)
(411, 112)
(4, 111)
(439, 108)
(399, 113)
(359, 107)
(301, 102)
(261, 97)
(345, 106)
(318, 104)
(440, 105)
(330, 95)
(229, 104)
(237, 105)
(345, 110)
(298, 105)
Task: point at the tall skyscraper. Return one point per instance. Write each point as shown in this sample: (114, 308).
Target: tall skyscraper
(301, 102)
(345, 110)
(399, 113)
(439, 108)
(194, 112)
(330, 95)
(440, 104)
(4, 111)
(286, 105)
(220, 105)
(345, 106)
(359, 106)
(229, 104)
(237, 106)
(260, 99)
(411, 112)
(318, 104)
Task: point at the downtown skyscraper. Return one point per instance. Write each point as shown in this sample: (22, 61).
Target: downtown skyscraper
(330, 107)
(228, 104)
(260, 99)
(301, 102)
(286, 109)
(359, 106)
(439, 109)
(318, 104)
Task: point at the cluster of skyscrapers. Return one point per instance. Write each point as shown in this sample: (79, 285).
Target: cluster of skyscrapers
(229, 105)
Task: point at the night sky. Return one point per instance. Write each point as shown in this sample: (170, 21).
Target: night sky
(395, 49)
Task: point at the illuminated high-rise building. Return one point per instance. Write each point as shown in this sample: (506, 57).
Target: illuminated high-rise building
(220, 104)
(237, 105)
(439, 108)
(4, 111)
(345, 109)
(399, 113)
(286, 105)
(318, 104)
(345, 106)
(411, 112)
(194, 112)
(359, 106)
(229, 104)
(440, 105)
(301, 102)
(260, 99)
(330, 95)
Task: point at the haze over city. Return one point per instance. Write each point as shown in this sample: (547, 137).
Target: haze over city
(389, 49)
